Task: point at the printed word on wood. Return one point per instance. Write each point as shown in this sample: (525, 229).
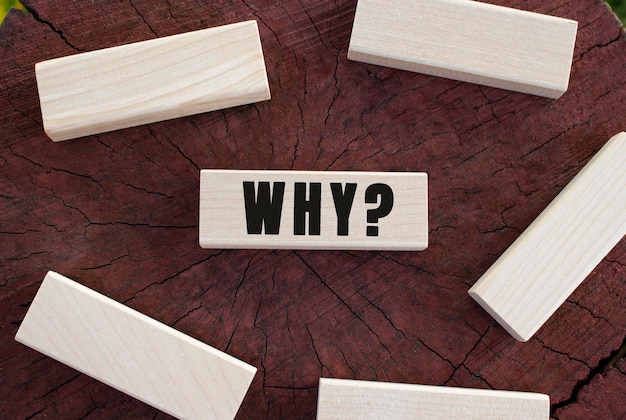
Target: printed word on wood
(153, 80)
(535, 275)
(468, 41)
(313, 210)
(348, 399)
(132, 352)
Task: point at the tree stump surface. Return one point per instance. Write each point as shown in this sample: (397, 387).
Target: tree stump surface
(118, 212)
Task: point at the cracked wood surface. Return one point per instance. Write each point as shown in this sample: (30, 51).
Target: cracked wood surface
(118, 212)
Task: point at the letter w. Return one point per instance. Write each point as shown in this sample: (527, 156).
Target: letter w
(261, 208)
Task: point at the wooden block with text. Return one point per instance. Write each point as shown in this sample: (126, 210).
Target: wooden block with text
(132, 352)
(313, 210)
(535, 275)
(152, 80)
(468, 41)
(348, 399)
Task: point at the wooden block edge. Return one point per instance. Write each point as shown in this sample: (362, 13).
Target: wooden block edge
(65, 133)
(328, 384)
(249, 370)
(549, 90)
(491, 311)
(475, 292)
(355, 245)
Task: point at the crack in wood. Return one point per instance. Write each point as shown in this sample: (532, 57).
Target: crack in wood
(143, 19)
(599, 369)
(178, 273)
(344, 303)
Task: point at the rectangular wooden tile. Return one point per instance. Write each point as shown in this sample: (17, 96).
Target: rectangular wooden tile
(535, 275)
(153, 80)
(132, 352)
(468, 41)
(313, 210)
(349, 399)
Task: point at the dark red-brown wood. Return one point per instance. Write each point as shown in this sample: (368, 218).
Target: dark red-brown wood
(118, 212)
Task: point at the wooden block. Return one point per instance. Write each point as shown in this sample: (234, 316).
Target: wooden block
(535, 275)
(313, 210)
(153, 80)
(132, 352)
(348, 399)
(468, 41)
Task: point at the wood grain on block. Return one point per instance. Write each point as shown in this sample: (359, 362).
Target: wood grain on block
(535, 275)
(313, 210)
(153, 80)
(132, 352)
(349, 399)
(468, 41)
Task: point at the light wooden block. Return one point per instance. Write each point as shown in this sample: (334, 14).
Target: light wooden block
(468, 41)
(535, 275)
(132, 352)
(233, 213)
(347, 399)
(151, 81)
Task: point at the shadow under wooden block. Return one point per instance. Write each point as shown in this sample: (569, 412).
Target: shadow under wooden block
(468, 41)
(152, 80)
(132, 352)
(535, 275)
(313, 210)
(349, 399)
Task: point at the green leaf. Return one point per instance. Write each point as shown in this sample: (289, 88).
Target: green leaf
(6, 5)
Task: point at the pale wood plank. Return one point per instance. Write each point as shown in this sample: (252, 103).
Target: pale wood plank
(468, 41)
(152, 80)
(535, 275)
(349, 399)
(223, 221)
(132, 352)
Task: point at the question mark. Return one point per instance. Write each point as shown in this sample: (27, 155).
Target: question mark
(386, 204)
